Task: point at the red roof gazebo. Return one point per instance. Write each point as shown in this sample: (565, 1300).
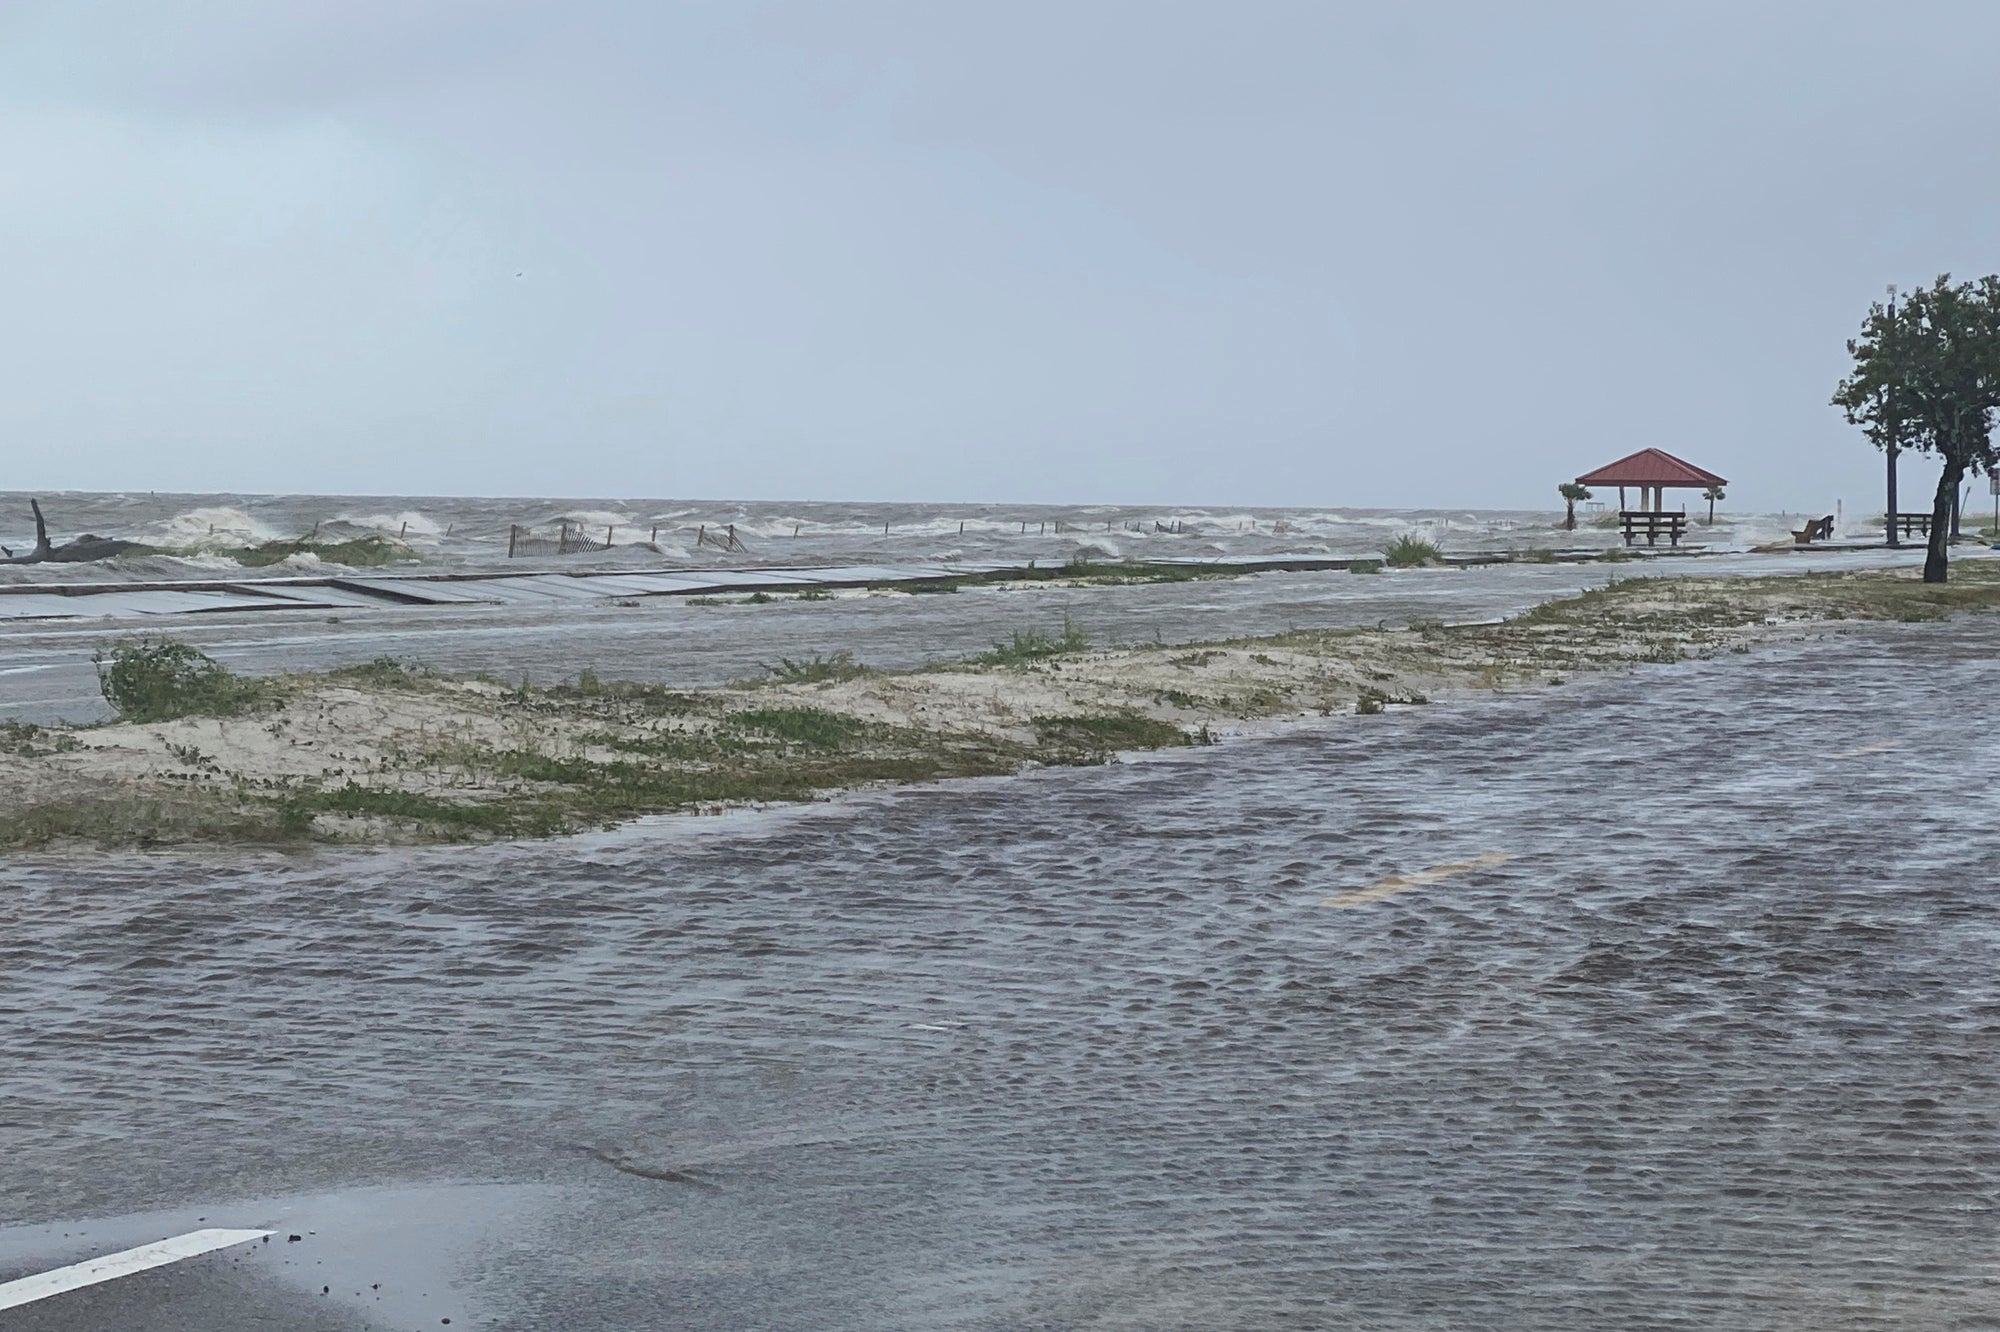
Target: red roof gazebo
(1652, 470)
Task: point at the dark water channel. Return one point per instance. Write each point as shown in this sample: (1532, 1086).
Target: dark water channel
(1716, 1045)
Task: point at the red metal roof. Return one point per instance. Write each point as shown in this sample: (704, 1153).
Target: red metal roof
(1651, 467)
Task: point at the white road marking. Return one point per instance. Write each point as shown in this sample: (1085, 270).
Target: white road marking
(1396, 883)
(111, 1266)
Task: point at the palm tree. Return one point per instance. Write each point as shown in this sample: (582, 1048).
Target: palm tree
(1712, 494)
(1571, 493)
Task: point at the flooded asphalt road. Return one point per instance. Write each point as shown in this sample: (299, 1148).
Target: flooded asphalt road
(1694, 1025)
(46, 673)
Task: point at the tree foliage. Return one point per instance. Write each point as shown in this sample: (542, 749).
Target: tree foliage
(1927, 377)
(1571, 492)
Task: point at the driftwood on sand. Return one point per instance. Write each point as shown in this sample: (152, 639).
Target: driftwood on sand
(80, 551)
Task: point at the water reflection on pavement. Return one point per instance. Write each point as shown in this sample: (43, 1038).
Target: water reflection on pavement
(1700, 1031)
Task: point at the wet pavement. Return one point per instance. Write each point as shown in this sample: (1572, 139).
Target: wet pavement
(1693, 1023)
(46, 675)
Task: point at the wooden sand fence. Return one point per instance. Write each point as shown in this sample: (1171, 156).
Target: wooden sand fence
(571, 539)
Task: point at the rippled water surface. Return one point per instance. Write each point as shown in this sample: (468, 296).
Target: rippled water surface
(1718, 1045)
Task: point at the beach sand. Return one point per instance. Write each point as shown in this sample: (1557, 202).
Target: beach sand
(393, 754)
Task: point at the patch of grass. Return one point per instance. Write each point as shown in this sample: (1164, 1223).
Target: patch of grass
(759, 599)
(189, 755)
(622, 697)
(1540, 555)
(363, 552)
(1364, 566)
(814, 594)
(138, 816)
(1615, 555)
(1370, 701)
(145, 679)
(27, 740)
(816, 669)
(1410, 552)
(388, 802)
(810, 727)
(1107, 732)
(383, 671)
(1031, 645)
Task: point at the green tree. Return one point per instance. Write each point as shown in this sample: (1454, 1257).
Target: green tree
(1571, 493)
(1927, 376)
(1712, 494)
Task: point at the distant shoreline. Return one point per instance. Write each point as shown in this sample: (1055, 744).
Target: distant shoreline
(391, 754)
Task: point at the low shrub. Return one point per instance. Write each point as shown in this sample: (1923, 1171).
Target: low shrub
(1409, 552)
(147, 679)
(815, 669)
(1109, 731)
(800, 726)
(382, 671)
(1030, 645)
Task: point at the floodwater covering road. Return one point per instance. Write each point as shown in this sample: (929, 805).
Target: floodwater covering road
(1663, 1000)
(46, 674)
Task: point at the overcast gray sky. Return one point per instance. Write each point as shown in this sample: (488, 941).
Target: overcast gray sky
(1233, 253)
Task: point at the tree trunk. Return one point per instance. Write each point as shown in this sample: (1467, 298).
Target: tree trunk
(1936, 561)
(1711, 513)
(1570, 522)
(42, 549)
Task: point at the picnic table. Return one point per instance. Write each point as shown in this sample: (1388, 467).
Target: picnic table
(1651, 524)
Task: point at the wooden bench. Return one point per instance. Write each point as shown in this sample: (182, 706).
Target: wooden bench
(1634, 523)
(1819, 529)
(1913, 524)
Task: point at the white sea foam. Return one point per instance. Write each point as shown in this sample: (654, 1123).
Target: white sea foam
(205, 526)
(409, 524)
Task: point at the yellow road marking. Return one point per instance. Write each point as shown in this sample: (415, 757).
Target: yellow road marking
(1396, 883)
(1875, 748)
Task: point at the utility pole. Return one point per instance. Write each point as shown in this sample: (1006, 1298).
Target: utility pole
(1888, 404)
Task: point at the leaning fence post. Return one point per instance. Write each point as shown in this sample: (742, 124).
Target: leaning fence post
(607, 536)
(512, 530)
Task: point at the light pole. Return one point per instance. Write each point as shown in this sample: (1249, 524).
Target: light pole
(1888, 410)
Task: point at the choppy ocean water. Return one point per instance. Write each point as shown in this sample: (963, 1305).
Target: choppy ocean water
(1716, 1045)
(458, 533)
